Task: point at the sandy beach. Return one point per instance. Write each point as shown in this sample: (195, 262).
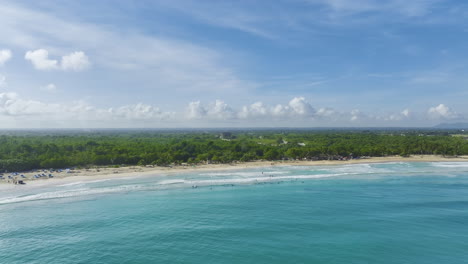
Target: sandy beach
(102, 173)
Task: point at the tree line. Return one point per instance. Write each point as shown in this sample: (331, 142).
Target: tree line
(55, 150)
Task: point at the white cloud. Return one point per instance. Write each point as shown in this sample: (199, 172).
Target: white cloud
(403, 115)
(6, 97)
(301, 107)
(140, 112)
(75, 61)
(12, 105)
(5, 55)
(255, 110)
(69, 114)
(219, 110)
(406, 113)
(297, 107)
(300, 113)
(442, 112)
(195, 110)
(166, 63)
(40, 60)
(49, 88)
(279, 110)
(326, 112)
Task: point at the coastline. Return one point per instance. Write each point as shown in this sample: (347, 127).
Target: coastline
(145, 171)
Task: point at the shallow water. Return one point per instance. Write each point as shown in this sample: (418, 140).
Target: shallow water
(363, 213)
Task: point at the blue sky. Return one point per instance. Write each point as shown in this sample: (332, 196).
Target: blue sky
(309, 63)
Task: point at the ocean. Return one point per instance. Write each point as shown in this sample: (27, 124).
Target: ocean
(362, 213)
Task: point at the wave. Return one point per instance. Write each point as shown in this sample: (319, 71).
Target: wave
(264, 179)
(360, 168)
(86, 188)
(82, 182)
(169, 182)
(244, 174)
(165, 184)
(71, 193)
(460, 164)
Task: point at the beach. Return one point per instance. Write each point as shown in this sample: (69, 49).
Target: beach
(104, 173)
(379, 211)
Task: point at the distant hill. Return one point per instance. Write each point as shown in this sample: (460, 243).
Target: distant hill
(453, 125)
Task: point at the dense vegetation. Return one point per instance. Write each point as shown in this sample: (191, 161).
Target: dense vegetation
(25, 151)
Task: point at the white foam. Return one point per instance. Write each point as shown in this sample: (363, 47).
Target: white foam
(262, 179)
(358, 169)
(80, 188)
(460, 164)
(71, 184)
(70, 193)
(244, 174)
(83, 182)
(168, 182)
(157, 185)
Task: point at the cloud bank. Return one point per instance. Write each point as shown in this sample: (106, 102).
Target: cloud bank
(296, 112)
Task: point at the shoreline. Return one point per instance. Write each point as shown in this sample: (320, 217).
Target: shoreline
(86, 175)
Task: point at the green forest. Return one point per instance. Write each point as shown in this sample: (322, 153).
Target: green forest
(25, 151)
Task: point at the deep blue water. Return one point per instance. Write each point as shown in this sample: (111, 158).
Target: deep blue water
(377, 213)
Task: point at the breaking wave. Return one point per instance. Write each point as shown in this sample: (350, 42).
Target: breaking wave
(245, 177)
(450, 164)
(165, 184)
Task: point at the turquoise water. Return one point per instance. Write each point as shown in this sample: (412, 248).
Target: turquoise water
(378, 213)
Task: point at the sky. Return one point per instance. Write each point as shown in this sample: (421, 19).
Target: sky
(182, 63)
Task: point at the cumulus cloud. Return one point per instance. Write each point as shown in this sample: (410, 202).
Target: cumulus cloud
(221, 110)
(255, 110)
(139, 112)
(195, 110)
(326, 112)
(280, 110)
(442, 112)
(40, 60)
(75, 61)
(218, 110)
(298, 107)
(296, 112)
(49, 88)
(5, 55)
(405, 114)
(12, 105)
(301, 107)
